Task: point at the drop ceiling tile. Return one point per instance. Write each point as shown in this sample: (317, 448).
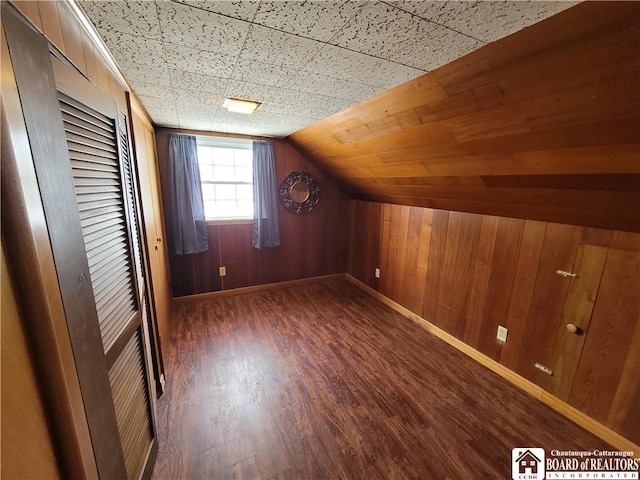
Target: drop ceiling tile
(265, 74)
(332, 87)
(130, 48)
(288, 111)
(135, 18)
(198, 101)
(250, 91)
(201, 29)
(225, 127)
(166, 119)
(156, 104)
(224, 116)
(146, 74)
(272, 47)
(198, 61)
(192, 123)
(387, 32)
(150, 89)
(432, 10)
(276, 125)
(242, 9)
(389, 74)
(197, 82)
(490, 21)
(319, 20)
(344, 64)
(301, 101)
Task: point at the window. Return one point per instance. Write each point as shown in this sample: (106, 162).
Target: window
(226, 174)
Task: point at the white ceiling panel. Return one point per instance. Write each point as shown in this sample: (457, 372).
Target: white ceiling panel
(309, 82)
(165, 104)
(151, 89)
(239, 89)
(240, 9)
(135, 18)
(319, 20)
(197, 82)
(146, 74)
(262, 73)
(272, 47)
(201, 29)
(215, 64)
(304, 59)
(483, 20)
(387, 32)
(134, 49)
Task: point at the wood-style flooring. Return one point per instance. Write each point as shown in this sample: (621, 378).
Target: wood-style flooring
(321, 381)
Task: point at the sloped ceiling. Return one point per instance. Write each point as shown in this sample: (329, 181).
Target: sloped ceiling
(305, 60)
(543, 125)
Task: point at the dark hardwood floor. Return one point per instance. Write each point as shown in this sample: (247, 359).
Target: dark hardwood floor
(322, 381)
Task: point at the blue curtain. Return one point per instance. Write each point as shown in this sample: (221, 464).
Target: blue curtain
(266, 230)
(187, 208)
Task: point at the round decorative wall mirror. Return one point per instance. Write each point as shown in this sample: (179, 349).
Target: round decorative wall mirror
(299, 192)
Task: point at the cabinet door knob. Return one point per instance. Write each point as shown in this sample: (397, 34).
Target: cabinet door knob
(572, 328)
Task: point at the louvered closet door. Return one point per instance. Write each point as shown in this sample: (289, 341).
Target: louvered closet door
(80, 151)
(98, 145)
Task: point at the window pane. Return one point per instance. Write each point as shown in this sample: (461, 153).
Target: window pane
(225, 192)
(245, 192)
(244, 158)
(206, 172)
(226, 209)
(226, 173)
(223, 156)
(244, 174)
(245, 208)
(204, 155)
(209, 209)
(208, 191)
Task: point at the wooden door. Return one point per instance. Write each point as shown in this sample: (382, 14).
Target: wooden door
(153, 220)
(81, 154)
(584, 281)
(563, 298)
(606, 385)
(158, 277)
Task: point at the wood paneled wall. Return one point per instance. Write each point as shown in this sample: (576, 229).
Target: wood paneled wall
(469, 273)
(311, 245)
(59, 24)
(27, 447)
(30, 454)
(540, 125)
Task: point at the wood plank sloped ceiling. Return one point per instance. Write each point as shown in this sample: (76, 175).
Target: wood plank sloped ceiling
(541, 125)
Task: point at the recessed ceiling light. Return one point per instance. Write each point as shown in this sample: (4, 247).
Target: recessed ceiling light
(240, 106)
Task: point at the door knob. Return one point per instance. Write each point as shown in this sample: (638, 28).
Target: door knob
(572, 328)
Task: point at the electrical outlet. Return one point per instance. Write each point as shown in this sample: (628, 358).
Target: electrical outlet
(377, 273)
(223, 271)
(502, 333)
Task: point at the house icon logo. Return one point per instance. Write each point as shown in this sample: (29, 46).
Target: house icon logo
(527, 464)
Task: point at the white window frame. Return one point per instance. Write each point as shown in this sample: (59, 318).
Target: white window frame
(225, 142)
